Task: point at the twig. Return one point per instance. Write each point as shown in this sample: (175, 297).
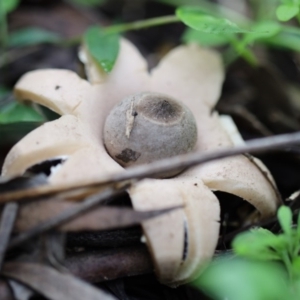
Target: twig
(6, 226)
(72, 213)
(110, 264)
(247, 116)
(160, 167)
(66, 216)
(99, 266)
(105, 239)
(192, 159)
(164, 20)
(3, 26)
(51, 283)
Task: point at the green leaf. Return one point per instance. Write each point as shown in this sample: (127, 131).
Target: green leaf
(260, 244)
(243, 50)
(263, 10)
(16, 112)
(284, 216)
(298, 227)
(103, 47)
(296, 266)
(9, 5)
(243, 279)
(296, 287)
(288, 38)
(287, 11)
(289, 2)
(89, 3)
(261, 30)
(31, 36)
(204, 39)
(195, 18)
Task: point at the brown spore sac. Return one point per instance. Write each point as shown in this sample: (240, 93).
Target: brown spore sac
(147, 127)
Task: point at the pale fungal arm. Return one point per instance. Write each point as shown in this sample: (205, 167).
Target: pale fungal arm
(192, 75)
(85, 165)
(61, 137)
(63, 91)
(180, 241)
(160, 127)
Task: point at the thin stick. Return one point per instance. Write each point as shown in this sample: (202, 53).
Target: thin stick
(64, 217)
(8, 218)
(137, 25)
(159, 167)
(192, 159)
(3, 26)
(72, 213)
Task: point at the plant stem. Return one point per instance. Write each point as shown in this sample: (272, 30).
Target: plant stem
(160, 167)
(298, 18)
(125, 27)
(288, 264)
(8, 57)
(242, 50)
(215, 9)
(3, 27)
(142, 24)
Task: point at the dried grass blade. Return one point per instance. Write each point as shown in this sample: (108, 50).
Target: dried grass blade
(8, 218)
(53, 284)
(159, 167)
(66, 216)
(116, 217)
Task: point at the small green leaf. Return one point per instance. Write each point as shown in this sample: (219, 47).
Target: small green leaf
(259, 244)
(296, 286)
(288, 38)
(104, 47)
(246, 53)
(31, 36)
(296, 266)
(261, 30)
(89, 3)
(196, 19)
(264, 29)
(287, 11)
(289, 2)
(9, 5)
(284, 215)
(205, 39)
(243, 279)
(16, 112)
(298, 227)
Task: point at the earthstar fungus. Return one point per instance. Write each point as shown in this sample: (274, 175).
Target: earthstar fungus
(146, 127)
(181, 240)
